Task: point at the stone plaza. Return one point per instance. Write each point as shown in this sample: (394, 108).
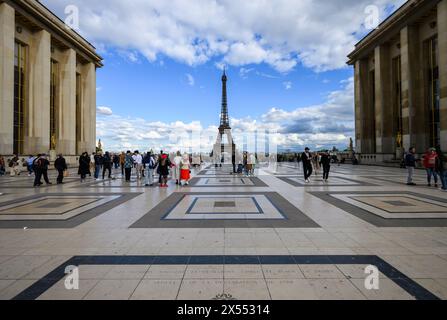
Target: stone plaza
(226, 237)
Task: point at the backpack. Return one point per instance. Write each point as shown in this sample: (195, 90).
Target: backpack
(151, 163)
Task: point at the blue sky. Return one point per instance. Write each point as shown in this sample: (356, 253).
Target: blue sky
(163, 61)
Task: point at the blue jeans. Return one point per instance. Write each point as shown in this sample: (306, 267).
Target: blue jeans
(97, 171)
(149, 176)
(443, 177)
(431, 172)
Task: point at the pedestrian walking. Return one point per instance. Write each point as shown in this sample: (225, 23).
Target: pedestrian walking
(164, 165)
(177, 169)
(2, 166)
(410, 164)
(185, 170)
(138, 159)
(429, 162)
(107, 165)
(29, 165)
(37, 168)
(61, 166)
(149, 166)
(98, 161)
(122, 161)
(325, 161)
(441, 167)
(306, 159)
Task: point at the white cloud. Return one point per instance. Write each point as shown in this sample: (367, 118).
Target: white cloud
(105, 111)
(190, 79)
(282, 33)
(288, 85)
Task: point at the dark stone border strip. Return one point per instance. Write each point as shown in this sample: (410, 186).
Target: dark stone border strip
(294, 218)
(70, 222)
(377, 220)
(255, 180)
(404, 282)
(353, 183)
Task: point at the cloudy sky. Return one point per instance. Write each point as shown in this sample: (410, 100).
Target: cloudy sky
(286, 62)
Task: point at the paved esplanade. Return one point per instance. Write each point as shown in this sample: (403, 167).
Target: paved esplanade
(226, 237)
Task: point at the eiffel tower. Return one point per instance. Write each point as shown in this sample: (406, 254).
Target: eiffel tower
(221, 147)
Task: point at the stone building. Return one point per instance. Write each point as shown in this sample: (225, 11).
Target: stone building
(401, 83)
(47, 83)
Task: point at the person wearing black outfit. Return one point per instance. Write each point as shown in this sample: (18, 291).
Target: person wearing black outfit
(45, 165)
(441, 167)
(106, 165)
(306, 158)
(99, 160)
(61, 165)
(84, 166)
(37, 171)
(325, 162)
(410, 164)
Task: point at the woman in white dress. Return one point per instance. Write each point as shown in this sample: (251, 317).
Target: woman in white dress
(176, 172)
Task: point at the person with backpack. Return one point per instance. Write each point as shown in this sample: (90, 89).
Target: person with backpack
(60, 165)
(98, 160)
(106, 165)
(149, 167)
(441, 167)
(128, 165)
(429, 162)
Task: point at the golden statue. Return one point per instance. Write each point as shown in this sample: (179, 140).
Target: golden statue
(53, 142)
(99, 145)
(399, 140)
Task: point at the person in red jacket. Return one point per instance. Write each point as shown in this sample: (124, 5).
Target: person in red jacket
(429, 163)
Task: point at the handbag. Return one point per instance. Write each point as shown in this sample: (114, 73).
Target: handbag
(66, 173)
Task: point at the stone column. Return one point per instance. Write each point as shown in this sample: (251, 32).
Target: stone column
(7, 31)
(89, 107)
(442, 43)
(360, 87)
(412, 106)
(383, 101)
(37, 133)
(67, 117)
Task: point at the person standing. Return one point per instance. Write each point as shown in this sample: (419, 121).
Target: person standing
(128, 164)
(98, 160)
(252, 163)
(177, 169)
(429, 162)
(116, 161)
(410, 164)
(122, 161)
(29, 165)
(185, 170)
(149, 166)
(45, 165)
(138, 159)
(441, 167)
(2, 166)
(325, 161)
(61, 166)
(306, 159)
(84, 166)
(37, 168)
(107, 165)
(164, 165)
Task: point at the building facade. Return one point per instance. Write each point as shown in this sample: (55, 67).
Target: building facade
(47, 83)
(401, 83)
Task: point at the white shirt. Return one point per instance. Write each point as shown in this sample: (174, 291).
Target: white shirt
(138, 159)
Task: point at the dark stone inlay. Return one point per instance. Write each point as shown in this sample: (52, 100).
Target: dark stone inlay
(350, 182)
(380, 221)
(399, 203)
(65, 223)
(225, 204)
(292, 216)
(256, 182)
(410, 286)
(53, 205)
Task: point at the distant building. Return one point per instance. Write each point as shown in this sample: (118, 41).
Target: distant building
(47, 83)
(401, 82)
